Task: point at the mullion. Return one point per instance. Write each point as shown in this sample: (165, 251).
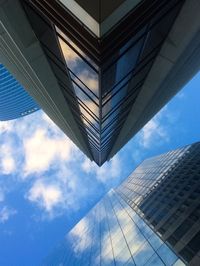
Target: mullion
(78, 118)
(148, 22)
(88, 133)
(135, 67)
(79, 54)
(120, 118)
(110, 135)
(112, 139)
(109, 138)
(83, 85)
(91, 142)
(138, 57)
(77, 99)
(90, 128)
(85, 108)
(84, 93)
(113, 95)
(93, 146)
(130, 94)
(121, 122)
(87, 120)
(130, 91)
(122, 114)
(94, 141)
(71, 98)
(89, 136)
(91, 133)
(111, 111)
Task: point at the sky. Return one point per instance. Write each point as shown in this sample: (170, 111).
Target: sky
(47, 185)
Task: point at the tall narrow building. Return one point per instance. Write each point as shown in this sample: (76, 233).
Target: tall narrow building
(152, 218)
(100, 69)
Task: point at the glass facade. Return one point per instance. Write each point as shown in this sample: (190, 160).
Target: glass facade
(15, 102)
(165, 192)
(152, 218)
(106, 73)
(106, 93)
(112, 234)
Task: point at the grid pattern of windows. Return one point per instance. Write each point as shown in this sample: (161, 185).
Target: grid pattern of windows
(152, 218)
(14, 100)
(112, 234)
(164, 191)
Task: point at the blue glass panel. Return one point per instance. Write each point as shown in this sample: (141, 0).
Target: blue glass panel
(154, 260)
(167, 255)
(15, 102)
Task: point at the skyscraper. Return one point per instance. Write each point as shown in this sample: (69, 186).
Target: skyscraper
(152, 218)
(100, 69)
(165, 192)
(14, 100)
(112, 233)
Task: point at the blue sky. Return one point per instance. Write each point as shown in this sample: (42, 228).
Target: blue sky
(47, 185)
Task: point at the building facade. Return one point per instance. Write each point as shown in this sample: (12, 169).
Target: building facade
(112, 234)
(152, 218)
(101, 69)
(165, 192)
(15, 102)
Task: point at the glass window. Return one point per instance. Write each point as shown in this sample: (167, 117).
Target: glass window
(123, 65)
(167, 255)
(155, 241)
(154, 261)
(143, 254)
(123, 256)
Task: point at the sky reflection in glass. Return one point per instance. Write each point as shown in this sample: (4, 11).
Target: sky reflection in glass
(112, 234)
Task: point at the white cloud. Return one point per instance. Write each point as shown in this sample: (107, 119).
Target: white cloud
(8, 165)
(70, 56)
(6, 213)
(46, 196)
(34, 147)
(109, 170)
(180, 95)
(81, 240)
(7, 162)
(57, 193)
(49, 122)
(154, 131)
(42, 150)
(5, 126)
(90, 80)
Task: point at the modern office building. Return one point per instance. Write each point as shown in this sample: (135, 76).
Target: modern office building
(165, 192)
(112, 234)
(152, 218)
(14, 100)
(100, 69)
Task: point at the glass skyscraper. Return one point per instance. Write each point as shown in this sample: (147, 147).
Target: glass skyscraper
(165, 192)
(101, 69)
(112, 234)
(152, 218)
(15, 102)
